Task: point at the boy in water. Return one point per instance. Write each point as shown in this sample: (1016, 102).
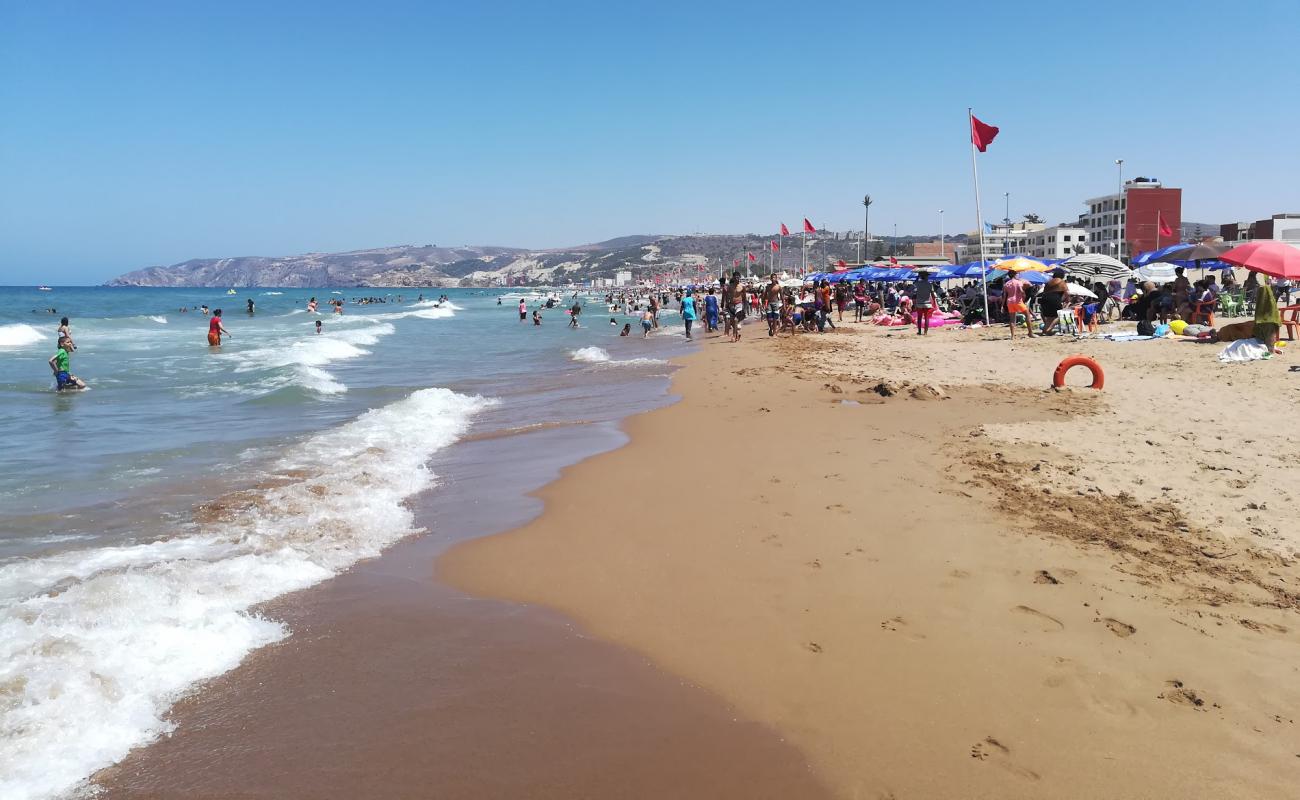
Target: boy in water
(318, 327)
(59, 365)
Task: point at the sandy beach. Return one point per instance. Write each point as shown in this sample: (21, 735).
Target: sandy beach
(936, 577)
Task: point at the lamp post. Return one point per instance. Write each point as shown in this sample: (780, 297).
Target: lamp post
(1119, 191)
(895, 248)
(866, 225)
(1006, 235)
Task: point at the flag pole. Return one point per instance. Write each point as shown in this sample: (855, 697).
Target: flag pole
(803, 239)
(979, 214)
(1158, 224)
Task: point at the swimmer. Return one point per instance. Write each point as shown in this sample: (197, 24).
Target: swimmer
(250, 306)
(613, 321)
(311, 305)
(216, 330)
(627, 329)
(60, 367)
(65, 332)
(318, 327)
(537, 317)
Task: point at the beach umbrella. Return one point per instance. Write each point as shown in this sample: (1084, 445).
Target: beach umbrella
(1097, 266)
(1022, 264)
(1141, 259)
(1081, 291)
(1191, 252)
(1156, 272)
(1268, 256)
(1027, 276)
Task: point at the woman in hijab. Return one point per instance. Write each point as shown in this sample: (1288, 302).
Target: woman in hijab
(1268, 320)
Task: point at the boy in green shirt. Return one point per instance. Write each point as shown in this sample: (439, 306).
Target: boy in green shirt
(60, 366)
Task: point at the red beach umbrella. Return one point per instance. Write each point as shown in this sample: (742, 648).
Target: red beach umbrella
(1268, 256)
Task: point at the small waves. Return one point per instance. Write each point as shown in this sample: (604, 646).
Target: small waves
(302, 362)
(20, 335)
(161, 320)
(95, 645)
(598, 355)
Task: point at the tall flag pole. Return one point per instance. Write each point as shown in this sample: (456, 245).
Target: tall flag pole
(807, 229)
(784, 233)
(981, 136)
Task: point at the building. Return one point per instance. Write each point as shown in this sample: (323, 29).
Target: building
(1128, 222)
(1058, 241)
(623, 277)
(999, 239)
(935, 249)
(1282, 227)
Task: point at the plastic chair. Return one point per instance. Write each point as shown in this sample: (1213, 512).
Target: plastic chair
(1203, 312)
(1290, 320)
(1230, 305)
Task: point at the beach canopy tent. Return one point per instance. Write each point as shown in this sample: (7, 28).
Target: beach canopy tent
(1268, 256)
(1156, 272)
(1142, 259)
(1095, 266)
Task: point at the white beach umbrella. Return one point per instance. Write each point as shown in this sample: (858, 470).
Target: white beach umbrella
(1156, 272)
(1082, 291)
(1095, 266)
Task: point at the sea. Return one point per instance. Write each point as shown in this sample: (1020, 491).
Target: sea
(145, 519)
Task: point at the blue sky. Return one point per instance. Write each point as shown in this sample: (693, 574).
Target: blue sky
(141, 133)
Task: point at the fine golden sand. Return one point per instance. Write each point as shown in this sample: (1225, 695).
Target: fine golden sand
(937, 577)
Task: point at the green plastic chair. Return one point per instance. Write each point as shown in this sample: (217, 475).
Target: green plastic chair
(1231, 304)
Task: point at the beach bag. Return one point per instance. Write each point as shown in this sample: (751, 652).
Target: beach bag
(1146, 328)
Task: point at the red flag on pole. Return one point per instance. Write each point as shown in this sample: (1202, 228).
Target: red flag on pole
(775, 247)
(893, 261)
(1165, 230)
(751, 257)
(808, 226)
(981, 135)
(784, 230)
(735, 263)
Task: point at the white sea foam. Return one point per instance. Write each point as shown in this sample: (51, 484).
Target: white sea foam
(20, 335)
(596, 355)
(302, 362)
(95, 645)
(159, 319)
(591, 355)
(272, 294)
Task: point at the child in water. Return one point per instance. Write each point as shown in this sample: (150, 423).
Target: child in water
(318, 327)
(60, 367)
(627, 329)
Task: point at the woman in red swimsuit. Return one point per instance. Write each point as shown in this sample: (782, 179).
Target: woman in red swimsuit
(216, 329)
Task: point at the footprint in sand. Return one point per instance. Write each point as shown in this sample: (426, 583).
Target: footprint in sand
(1043, 576)
(813, 647)
(1178, 694)
(1121, 629)
(816, 563)
(897, 624)
(995, 752)
(838, 507)
(1043, 622)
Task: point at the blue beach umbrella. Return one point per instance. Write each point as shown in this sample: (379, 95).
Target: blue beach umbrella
(1142, 259)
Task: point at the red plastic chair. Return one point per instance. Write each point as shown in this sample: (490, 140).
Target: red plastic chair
(1203, 312)
(1290, 320)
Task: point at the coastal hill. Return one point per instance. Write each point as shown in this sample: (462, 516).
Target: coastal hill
(433, 266)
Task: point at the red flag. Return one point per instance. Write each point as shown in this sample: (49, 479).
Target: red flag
(808, 226)
(1165, 230)
(981, 135)
(775, 247)
(751, 257)
(840, 263)
(784, 230)
(735, 263)
(893, 260)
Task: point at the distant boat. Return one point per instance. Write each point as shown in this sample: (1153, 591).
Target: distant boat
(44, 289)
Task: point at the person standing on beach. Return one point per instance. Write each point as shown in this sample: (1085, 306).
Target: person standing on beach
(734, 299)
(923, 301)
(688, 311)
(1013, 294)
(772, 302)
(216, 330)
(653, 305)
(711, 311)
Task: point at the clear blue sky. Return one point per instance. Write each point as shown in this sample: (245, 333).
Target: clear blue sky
(140, 133)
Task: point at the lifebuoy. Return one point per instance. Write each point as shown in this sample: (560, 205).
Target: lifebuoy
(1058, 377)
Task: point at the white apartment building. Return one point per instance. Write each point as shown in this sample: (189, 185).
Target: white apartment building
(999, 239)
(1103, 223)
(1058, 241)
(623, 277)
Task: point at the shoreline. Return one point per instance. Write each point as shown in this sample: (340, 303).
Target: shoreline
(842, 572)
(394, 685)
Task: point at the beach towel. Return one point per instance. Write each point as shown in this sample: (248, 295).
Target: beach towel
(1244, 350)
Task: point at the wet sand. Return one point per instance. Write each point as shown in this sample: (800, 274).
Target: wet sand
(939, 579)
(394, 686)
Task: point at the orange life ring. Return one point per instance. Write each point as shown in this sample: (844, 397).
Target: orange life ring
(1058, 377)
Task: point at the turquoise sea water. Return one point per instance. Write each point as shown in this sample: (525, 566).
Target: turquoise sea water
(142, 519)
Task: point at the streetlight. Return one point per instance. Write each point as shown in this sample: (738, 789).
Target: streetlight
(895, 239)
(1119, 190)
(866, 224)
(1006, 235)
